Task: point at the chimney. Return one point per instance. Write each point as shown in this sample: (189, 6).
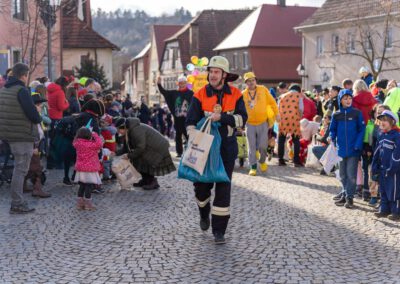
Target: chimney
(281, 3)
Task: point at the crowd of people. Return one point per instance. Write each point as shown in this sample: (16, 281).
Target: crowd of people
(72, 124)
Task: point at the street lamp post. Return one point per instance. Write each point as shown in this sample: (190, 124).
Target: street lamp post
(302, 73)
(48, 9)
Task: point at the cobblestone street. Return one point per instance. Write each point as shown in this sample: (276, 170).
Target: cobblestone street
(284, 229)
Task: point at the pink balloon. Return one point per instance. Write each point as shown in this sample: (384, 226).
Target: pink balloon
(195, 72)
(190, 86)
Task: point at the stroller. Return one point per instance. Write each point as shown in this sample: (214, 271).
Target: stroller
(6, 163)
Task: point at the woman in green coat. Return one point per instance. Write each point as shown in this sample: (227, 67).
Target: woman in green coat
(147, 150)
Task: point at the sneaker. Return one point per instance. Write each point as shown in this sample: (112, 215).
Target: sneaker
(322, 172)
(204, 223)
(219, 238)
(373, 202)
(381, 214)
(282, 162)
(349, 203)
(67, 182)
(394, 217)
(253, 172)
(98, 190)
(298, 165)
(140, 183)
(22, 209)
(338, 196)
(80, 205)
(263, 167)
(341, 201)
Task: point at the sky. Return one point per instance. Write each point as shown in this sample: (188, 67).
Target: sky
(157, 7)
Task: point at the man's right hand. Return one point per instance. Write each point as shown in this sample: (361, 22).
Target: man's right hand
(158, 80)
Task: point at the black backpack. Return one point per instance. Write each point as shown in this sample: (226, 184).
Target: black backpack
(67, 126)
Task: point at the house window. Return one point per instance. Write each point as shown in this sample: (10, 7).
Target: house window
(174, 57)
(84, 58)
(16, 56)
(389, 38)
(320, 45)
(351, 42)
(245, 60)
(166, 54)
(235, 61)
(20, 9)
(368, 41)
(335, 44)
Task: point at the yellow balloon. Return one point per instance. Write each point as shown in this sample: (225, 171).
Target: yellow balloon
(190, 79)
(194, 59)
(204, 60)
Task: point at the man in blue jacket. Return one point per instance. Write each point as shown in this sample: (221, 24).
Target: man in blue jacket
(347, 132)
(19, 121)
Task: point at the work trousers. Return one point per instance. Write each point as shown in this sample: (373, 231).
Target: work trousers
(220, 211)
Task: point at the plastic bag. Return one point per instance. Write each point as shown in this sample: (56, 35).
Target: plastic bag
(330, 158)
(126, 174)
(214, 170)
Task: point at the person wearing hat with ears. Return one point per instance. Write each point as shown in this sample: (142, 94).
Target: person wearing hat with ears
(291, 108)
(347, 134)
(224, 104)
(386, 166)
(261, 111)
(178, 103)
(35, 168)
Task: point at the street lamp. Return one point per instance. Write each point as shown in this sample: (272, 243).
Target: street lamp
(302, 73)
(48, 9)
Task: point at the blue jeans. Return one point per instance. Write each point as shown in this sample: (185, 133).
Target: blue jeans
(319, 151)
(348, 175)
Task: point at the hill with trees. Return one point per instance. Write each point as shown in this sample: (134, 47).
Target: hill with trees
(130, 30)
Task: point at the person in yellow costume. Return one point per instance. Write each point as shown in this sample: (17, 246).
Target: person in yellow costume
(261, 110)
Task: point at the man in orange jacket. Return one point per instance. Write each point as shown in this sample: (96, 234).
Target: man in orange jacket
(223, 103)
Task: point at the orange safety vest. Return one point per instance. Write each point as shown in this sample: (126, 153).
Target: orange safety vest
(209, 100)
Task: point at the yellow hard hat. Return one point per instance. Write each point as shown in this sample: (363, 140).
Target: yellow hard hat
(248, 75)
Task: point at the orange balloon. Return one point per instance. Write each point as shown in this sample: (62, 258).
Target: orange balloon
(194, 59)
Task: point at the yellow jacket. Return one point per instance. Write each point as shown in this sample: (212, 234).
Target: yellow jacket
(264, 109)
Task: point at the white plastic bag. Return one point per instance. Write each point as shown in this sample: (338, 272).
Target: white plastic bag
(196, 155)
(126, 174)
(330, 158)
(312, 161)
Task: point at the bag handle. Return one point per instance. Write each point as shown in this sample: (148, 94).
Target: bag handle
(206, 127)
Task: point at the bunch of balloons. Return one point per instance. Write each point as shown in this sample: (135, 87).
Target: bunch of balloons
(197, 65)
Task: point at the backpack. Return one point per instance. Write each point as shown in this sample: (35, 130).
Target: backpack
(67, 126)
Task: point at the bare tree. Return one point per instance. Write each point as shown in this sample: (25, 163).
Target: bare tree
(371, 37)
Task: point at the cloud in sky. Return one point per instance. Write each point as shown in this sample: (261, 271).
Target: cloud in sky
(157, 7)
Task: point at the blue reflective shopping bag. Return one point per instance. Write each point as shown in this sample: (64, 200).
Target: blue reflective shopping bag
(214, 170)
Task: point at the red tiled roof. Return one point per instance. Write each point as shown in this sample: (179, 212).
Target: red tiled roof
(214, 26)
(275, 25)
(268, 26)
(339, 10)
(161, 33)
(77, 34)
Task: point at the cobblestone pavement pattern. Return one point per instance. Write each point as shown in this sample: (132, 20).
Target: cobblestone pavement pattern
(284, 229)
